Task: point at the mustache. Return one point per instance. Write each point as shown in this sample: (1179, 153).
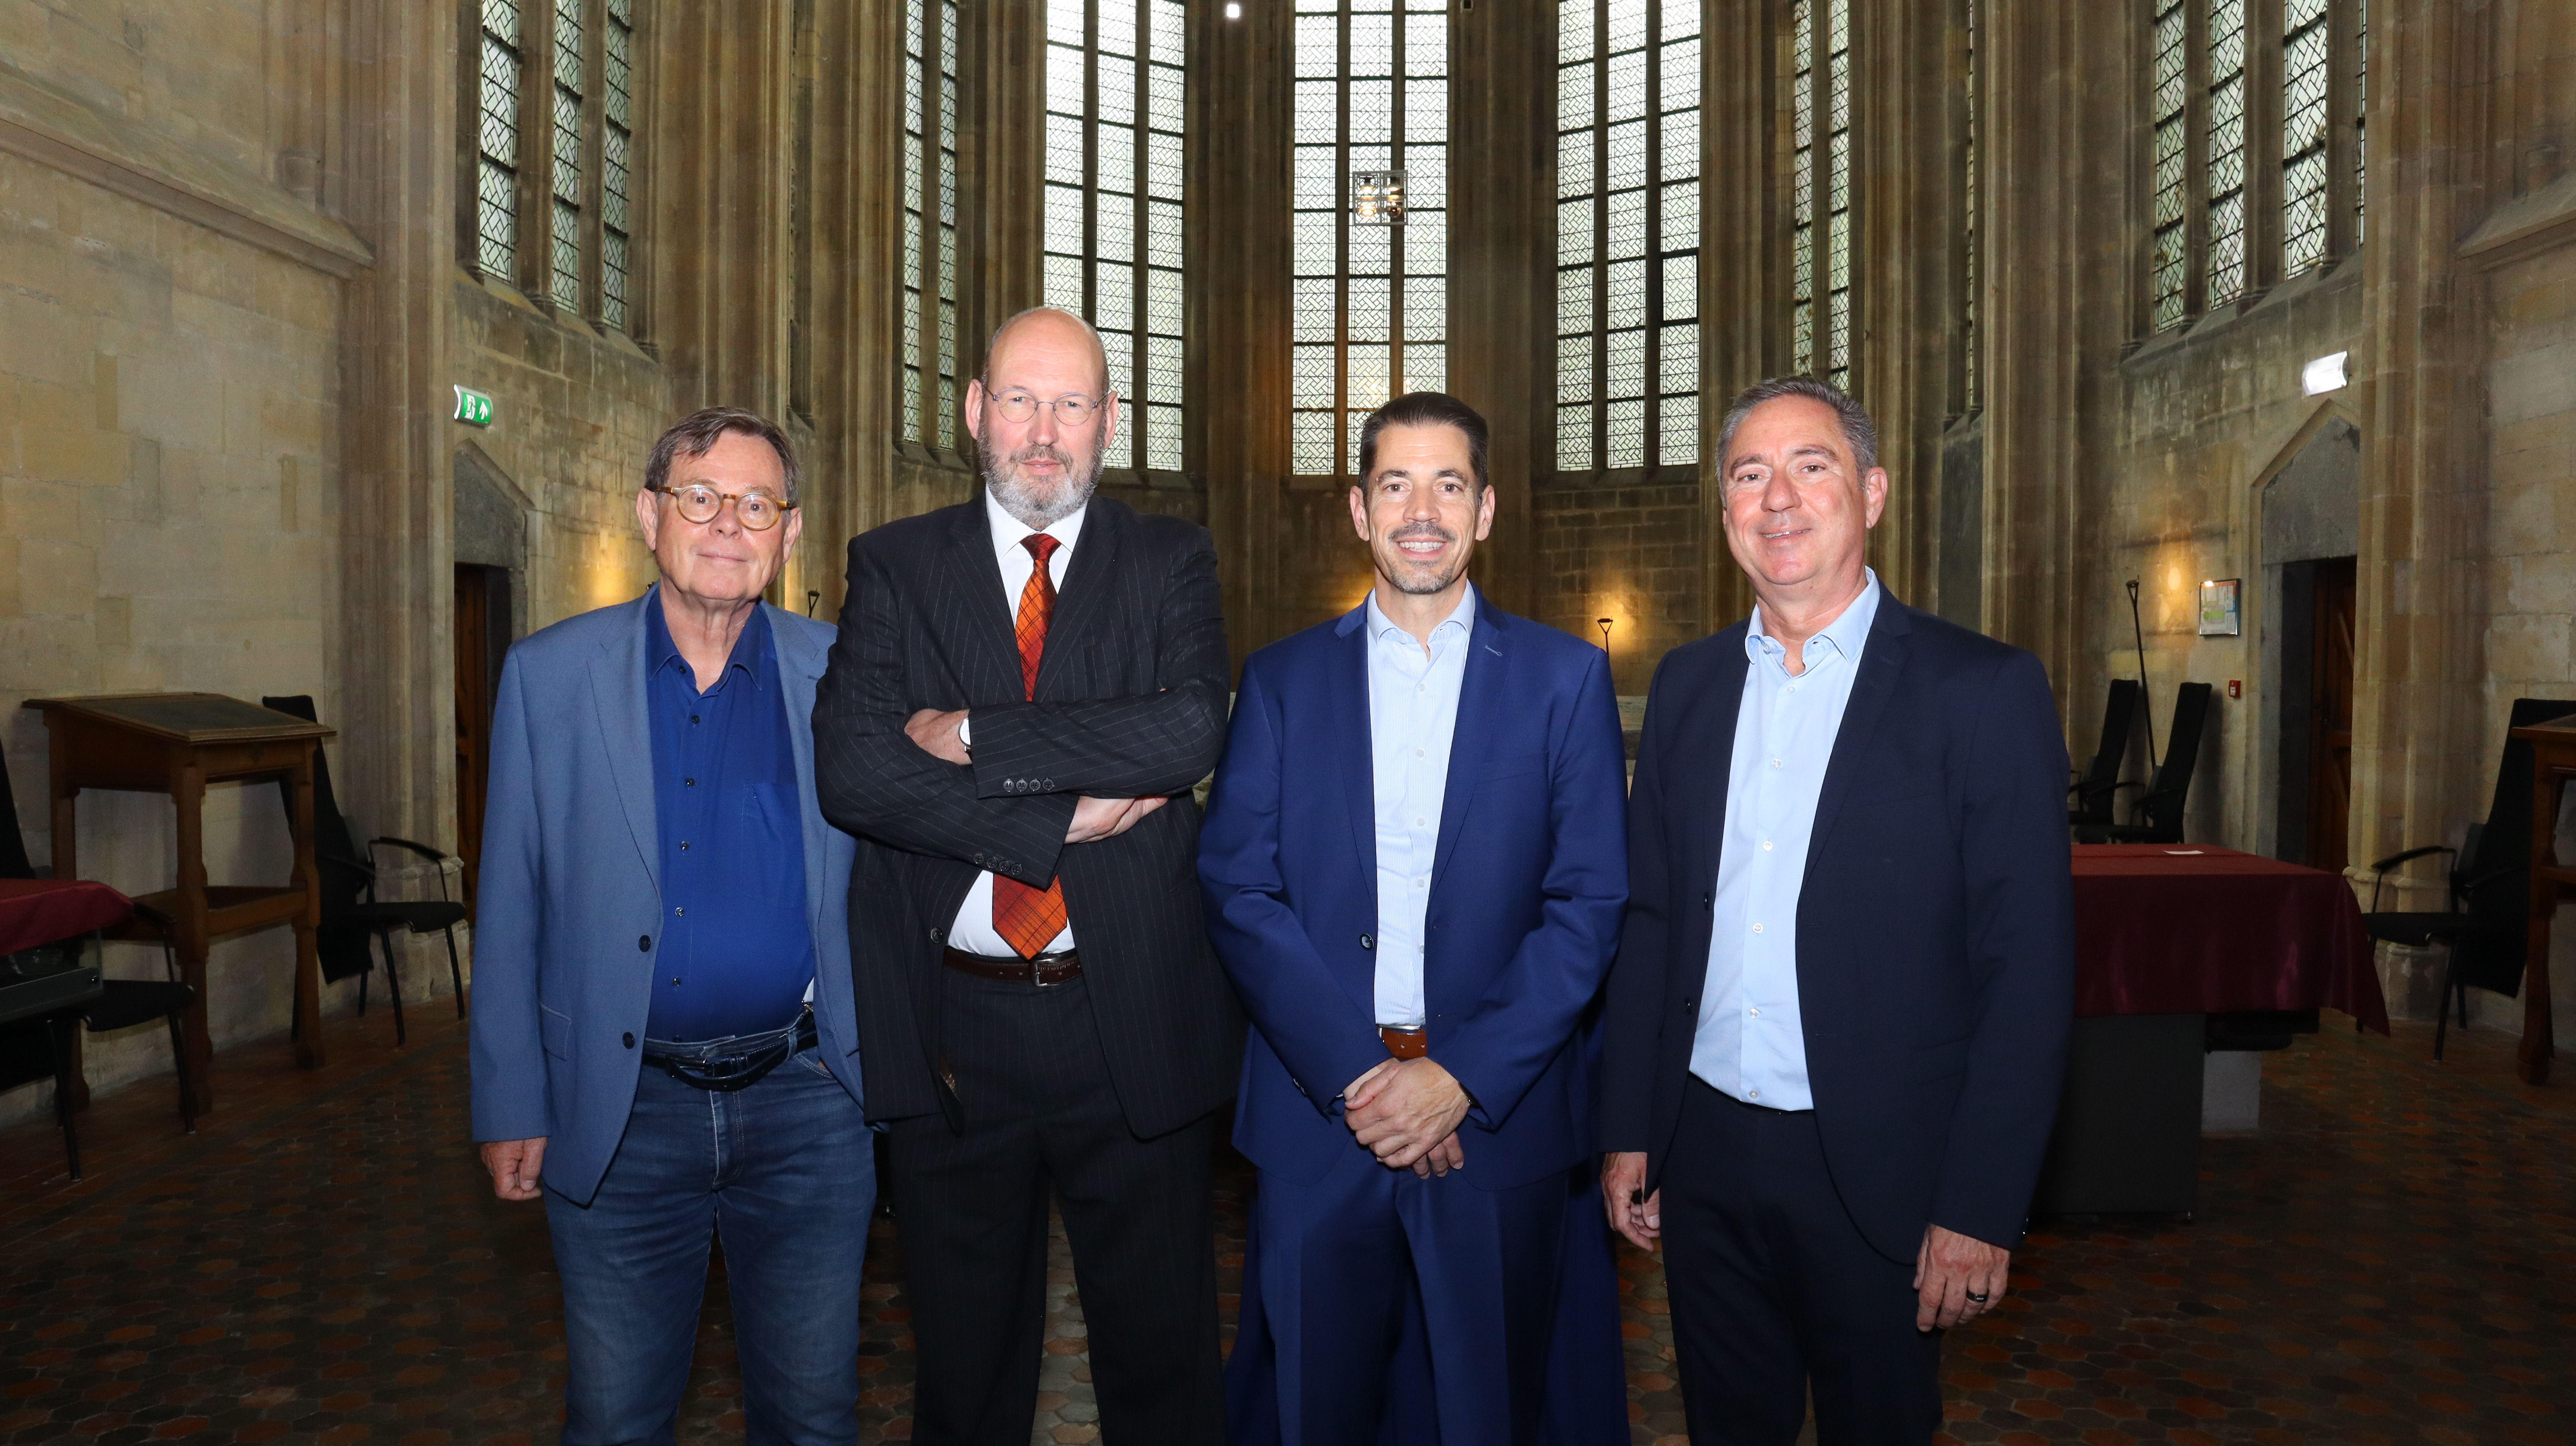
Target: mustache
(1042, 452)
(1419, 529)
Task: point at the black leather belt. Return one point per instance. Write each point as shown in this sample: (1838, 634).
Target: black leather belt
(734, 1062)
(1044, 969)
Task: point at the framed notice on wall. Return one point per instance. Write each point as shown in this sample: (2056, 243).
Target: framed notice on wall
(2218, 616)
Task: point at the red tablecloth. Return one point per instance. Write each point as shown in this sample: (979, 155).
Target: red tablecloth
(40, 911)
(2192, 929)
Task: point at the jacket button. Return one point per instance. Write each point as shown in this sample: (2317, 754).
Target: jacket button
(935, 933)
(1705, 900)
(1688, 1005)
(644, 942)
(1367, 943)
(630, 1041)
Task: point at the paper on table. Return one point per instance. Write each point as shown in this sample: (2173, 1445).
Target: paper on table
(2186, 851)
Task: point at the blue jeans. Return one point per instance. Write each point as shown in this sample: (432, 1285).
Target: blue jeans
(785, 1173)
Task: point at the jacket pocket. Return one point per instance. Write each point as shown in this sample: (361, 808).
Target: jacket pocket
(1941, 1061)
(555, 1028)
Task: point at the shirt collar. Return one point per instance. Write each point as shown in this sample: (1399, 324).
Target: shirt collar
(1009, 530)
(750, 646)
(1845, 635)
(1461, 617)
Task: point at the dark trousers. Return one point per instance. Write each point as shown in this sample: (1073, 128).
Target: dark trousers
(971, 1212)
(1395, 1308)
(1773, 1288)
(785, 1174)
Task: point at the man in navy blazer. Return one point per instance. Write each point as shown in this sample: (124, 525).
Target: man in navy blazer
(1837, 1023)
(663, 1038)
(1414, 872)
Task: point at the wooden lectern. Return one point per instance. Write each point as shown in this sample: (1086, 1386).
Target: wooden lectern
(177, 743)
(2553, 767)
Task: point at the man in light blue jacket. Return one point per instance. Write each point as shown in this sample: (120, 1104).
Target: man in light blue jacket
(664, 1042)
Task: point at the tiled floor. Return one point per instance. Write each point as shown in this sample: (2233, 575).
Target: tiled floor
(2392, 1259)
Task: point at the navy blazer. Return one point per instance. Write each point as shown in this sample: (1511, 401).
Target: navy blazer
(569, 911)
(1936, 924)
(1528, 878)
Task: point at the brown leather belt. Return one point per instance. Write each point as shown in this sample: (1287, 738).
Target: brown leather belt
(1405, 1043)
(1044, 969)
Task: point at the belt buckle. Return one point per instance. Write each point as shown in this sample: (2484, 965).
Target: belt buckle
(1038, 968)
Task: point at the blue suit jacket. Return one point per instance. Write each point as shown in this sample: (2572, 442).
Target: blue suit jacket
(1936, 925)
(569, 887)
(1528, 878)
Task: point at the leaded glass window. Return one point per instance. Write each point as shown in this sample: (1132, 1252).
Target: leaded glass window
(1368, 303)
(617, 152)
(496, 158)
(2168, 265)
(1627, 233)
(1820, 190)
(564, 248)
(2224, 162)
(927, 413)
(1113, 204)
(2304, 130)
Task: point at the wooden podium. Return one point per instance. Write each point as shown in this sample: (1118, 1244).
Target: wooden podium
(177, 743)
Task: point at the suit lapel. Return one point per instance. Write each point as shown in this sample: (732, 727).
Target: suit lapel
(1085, 596)
(1882, 660)
(989, 651)
(617, 705)
(1471, 739)
(1349, 699)
(800, 666)
(1724, 706)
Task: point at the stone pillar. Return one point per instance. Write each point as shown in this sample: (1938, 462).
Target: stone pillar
(396, 753)
(1744, 251)
(2418, 763)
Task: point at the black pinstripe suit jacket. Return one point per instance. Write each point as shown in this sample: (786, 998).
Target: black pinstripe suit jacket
(1131, 700)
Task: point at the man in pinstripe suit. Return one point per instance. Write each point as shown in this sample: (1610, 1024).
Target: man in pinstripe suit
(1024, 690)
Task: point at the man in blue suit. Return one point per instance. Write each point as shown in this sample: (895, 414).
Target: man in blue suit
(1414, 873)
(663, 1038)
(1839, 1016)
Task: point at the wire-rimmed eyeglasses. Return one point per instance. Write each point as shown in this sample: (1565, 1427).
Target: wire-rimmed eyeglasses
(1072, 409)
(697, 502)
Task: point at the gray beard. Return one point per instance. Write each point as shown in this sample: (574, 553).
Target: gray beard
(1016, 500)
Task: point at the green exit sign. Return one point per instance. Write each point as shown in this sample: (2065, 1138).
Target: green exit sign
(473, 408)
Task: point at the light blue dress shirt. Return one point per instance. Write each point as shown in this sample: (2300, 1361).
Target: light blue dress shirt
(1749, 1042)
(1413, 712)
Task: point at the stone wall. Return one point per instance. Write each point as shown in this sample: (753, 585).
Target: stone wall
(1629, 553)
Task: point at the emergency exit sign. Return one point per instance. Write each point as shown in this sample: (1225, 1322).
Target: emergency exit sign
(473, 408)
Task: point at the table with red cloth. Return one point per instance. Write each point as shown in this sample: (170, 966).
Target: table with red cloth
(43, 911)
(2197, 929)
(2168, 936)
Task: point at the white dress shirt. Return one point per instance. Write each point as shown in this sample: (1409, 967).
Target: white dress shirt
(1413, 713)
(1750, 1042)
(973, 931)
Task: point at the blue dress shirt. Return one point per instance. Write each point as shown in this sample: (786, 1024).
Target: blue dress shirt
(1750, 1042)
(737, 952)
(1413, 714)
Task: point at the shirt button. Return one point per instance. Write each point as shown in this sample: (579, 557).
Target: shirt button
(1757, 928)
(1756, 1013)
(1775, 762)
(693, 717)
(1753, 1094)
(1417, 753)
(684, 847)
(688, 783)
(1766, 845)
(683, 913)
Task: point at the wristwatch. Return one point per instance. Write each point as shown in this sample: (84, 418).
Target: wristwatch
(966, 734)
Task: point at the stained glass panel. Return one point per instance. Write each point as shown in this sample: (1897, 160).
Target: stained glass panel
(496, 189)
(2223, 159)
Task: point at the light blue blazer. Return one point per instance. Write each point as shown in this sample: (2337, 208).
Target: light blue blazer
(568, 913)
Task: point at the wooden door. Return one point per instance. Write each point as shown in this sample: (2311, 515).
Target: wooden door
(2330, 714)
(474, 687)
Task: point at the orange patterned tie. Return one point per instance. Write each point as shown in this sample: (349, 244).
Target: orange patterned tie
(1029, 919)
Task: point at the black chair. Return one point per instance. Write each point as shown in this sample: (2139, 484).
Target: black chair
(2484, 931)
(351, 913)
(2159, 809)
(2089, 796)
(42, 1048)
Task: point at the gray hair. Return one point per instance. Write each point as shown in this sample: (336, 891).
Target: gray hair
(1859, 432)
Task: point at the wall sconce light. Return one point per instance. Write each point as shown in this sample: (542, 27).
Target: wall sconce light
(1233, 12)
(1605, 633)
(1377, 198)
(2325, 374)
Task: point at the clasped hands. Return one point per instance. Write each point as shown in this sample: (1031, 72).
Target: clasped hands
(934, 731)
(1407, 1112)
